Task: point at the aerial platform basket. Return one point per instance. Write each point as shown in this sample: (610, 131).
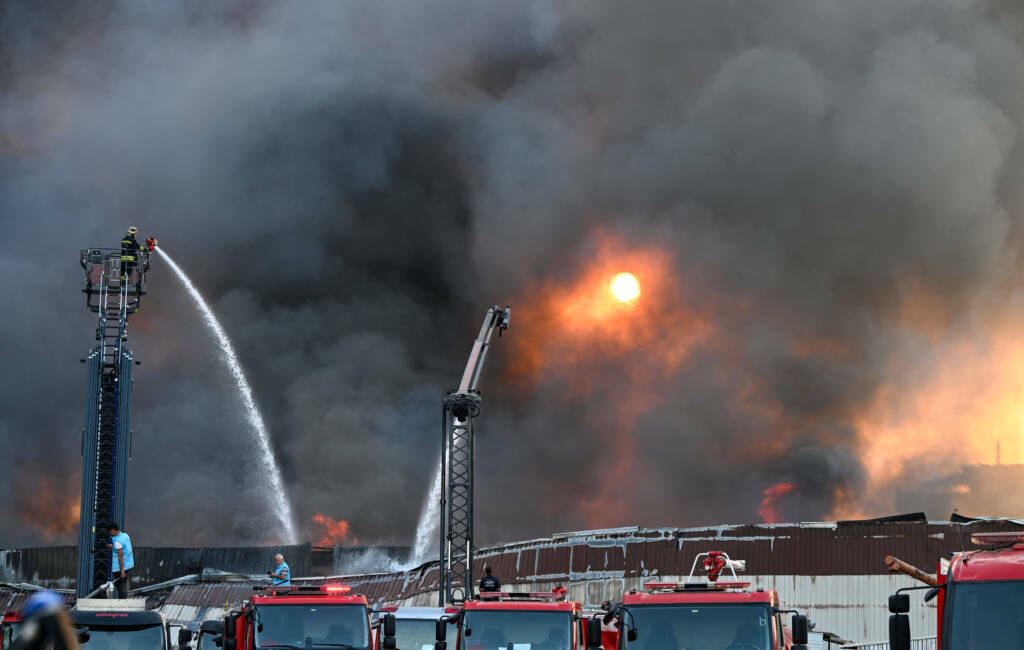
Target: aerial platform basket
(103, 273)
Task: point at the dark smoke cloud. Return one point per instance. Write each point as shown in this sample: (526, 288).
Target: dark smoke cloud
(352, 185)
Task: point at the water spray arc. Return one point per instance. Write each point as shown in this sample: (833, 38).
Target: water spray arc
(274, 492)
(461, 407)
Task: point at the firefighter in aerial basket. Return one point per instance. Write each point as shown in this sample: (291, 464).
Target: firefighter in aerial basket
(129, 253)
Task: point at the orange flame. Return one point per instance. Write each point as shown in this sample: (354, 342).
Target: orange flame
(768, 512)
(332, 532)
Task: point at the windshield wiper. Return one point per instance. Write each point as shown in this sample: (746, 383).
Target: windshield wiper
(339, 645)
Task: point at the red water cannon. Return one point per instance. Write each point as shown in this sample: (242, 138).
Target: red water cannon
(151, 243)
(714, 563)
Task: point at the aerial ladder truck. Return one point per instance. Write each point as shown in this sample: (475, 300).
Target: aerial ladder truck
(460, 408)
(114, 291)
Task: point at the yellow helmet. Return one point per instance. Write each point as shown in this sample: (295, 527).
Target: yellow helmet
(133, 230)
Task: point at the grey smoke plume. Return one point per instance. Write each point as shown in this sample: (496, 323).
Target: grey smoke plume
(352, 185)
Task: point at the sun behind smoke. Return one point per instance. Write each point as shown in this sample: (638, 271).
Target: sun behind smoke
(625, 287)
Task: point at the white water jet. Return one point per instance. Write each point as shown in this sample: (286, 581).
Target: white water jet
(275, 491)
(426, 530)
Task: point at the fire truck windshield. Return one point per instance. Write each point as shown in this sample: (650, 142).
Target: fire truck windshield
(703, 627)
(415, 633)
(516, 630)
(10, 633)
(121, 637)
(328, 626)
(985, 616)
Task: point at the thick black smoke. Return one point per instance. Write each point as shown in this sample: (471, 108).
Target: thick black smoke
(351, 186)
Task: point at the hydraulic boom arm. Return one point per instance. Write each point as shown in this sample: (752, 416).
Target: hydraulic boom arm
(457, 445)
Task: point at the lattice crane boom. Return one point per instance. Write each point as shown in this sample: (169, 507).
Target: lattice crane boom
(461, 407)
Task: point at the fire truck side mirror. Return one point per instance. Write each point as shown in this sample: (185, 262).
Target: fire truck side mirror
(800, 628)
(230, 642)
(82, 634)
(387, 632)
(184, 636)
(593, 632)
(441, 630)
(899, 632)
(899, 603)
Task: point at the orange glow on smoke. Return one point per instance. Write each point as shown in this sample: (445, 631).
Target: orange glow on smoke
(47, 503)
(332, 532)
(587, 336)
(576, 322)
(959, 413)
(625, 287)
(768, 512)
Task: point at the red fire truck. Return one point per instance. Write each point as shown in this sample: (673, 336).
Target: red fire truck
(705, 613)
(301, 618)
(980, 596)
(521, 621)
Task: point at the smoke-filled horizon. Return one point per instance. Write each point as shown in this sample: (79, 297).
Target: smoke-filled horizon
(821, 202)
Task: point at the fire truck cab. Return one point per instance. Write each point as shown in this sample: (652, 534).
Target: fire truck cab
(104, 624)
(519, 621)
(415, 627)
(10, 624)
(706, 613)
(980, 598)
(300, 618)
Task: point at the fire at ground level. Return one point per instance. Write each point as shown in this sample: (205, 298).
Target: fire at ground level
(833, 572)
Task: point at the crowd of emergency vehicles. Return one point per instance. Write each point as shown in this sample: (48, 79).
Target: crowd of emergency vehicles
(979, 592)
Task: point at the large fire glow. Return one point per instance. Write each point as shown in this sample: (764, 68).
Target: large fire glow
(327, 531)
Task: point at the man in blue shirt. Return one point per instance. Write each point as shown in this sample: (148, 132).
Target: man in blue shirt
(281, 576)
(122, 558)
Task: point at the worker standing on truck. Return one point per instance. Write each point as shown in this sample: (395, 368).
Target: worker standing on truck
(281, 576)
(122, 558)
(129, 252)
(489, 582)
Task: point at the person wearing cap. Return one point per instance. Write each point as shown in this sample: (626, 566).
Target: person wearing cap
(129, 252)
(122, 558)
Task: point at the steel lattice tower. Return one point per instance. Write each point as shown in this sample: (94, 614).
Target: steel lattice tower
(106, 438)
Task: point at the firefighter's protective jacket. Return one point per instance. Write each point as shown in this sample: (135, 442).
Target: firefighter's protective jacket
(129, 248)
